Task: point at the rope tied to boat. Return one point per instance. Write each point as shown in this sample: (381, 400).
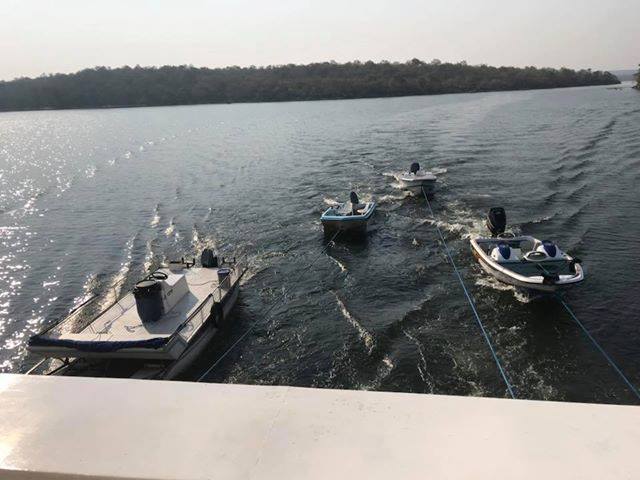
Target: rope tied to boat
(328, 245)
(613, 364)
(470, 300)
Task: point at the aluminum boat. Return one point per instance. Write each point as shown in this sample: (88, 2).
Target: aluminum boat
(155, 331)
(524, 261)
(352, 216)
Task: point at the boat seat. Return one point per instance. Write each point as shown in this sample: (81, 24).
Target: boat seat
(550, 249)
(503, 253)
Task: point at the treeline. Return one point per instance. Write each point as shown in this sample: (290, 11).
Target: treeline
(175, 85)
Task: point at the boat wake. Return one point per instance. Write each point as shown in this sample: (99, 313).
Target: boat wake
(422, 361)
(365, 336)
(393, 198)
(490, 282)
(114, 288)
(383, 371)
(341, 266)
(155, 220)
(170, 228)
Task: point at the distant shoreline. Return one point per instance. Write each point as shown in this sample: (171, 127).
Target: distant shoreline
(128, 87)
(116, 107)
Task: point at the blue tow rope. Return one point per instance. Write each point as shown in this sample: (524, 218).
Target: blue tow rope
(633, 389)
(473, 307)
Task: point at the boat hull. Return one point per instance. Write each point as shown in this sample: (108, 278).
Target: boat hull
(354, 226)
(146, 367)
(214, 324)
(418, 186)
(523, 282)
(507, 279)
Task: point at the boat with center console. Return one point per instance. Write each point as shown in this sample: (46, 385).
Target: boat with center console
(416, 180)
(154, 331)
(524, 261)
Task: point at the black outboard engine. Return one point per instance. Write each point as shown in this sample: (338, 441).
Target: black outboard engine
(496, 221)
(208, 259)
(415, 166)
(355, 202)
(148, 295)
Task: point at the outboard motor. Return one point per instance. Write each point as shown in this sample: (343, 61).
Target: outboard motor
(148, 295)
(415, 166)
(355, 202)
(208, 259)
(496, 221)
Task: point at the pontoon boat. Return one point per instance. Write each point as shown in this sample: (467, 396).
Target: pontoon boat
(155, 331)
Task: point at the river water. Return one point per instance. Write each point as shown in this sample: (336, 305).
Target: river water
(90, 199)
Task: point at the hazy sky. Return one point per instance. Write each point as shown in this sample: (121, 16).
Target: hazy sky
(39, 36)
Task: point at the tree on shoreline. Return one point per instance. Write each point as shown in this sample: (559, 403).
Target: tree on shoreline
(175, 85)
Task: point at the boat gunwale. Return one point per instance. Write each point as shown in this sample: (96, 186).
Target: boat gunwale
(406, 177)
(369, 207)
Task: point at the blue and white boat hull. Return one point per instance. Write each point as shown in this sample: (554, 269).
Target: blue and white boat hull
(341, 218)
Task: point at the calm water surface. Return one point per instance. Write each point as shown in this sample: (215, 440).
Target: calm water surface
(91, 199)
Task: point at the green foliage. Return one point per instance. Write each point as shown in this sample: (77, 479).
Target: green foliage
(173, 85)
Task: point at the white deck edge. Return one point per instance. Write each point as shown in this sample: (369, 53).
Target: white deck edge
(62, 427)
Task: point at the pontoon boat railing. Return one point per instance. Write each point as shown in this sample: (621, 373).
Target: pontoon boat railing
(217, 295)
(75, 310)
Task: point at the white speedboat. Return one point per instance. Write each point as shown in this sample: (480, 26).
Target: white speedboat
(524, 261)
(416, 180)
(353, 216)
(155, 331)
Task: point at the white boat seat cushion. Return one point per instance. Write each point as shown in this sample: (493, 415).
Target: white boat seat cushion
(551, 250)
(512, 254)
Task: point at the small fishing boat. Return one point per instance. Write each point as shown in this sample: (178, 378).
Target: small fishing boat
(153, 332)
(416, 180)
(351, 216)
(524, 261)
